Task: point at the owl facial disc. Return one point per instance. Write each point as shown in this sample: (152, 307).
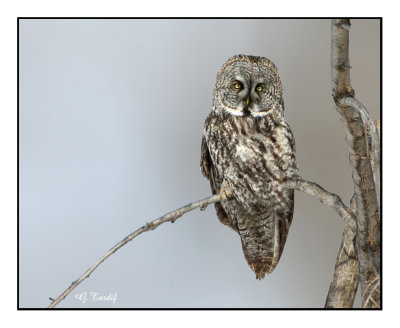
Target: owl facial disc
(249, 88)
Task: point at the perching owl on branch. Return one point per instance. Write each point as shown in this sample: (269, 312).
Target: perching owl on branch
(248, 150)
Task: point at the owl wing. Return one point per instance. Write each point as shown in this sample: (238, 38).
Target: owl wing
(285, 222)
(205, 160)
(208, 170)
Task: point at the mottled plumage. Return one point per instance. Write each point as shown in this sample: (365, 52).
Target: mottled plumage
(248, 148)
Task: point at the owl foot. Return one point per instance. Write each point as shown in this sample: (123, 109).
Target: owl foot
(226, 191)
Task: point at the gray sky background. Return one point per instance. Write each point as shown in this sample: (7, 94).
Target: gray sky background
(111, 117)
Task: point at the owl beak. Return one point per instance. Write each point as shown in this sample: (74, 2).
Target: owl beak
(247, 101)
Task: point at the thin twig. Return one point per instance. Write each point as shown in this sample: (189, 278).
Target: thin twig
(171, 217)
(332, 200)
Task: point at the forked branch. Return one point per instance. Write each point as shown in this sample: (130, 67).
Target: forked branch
(311, 188)
(363, 146)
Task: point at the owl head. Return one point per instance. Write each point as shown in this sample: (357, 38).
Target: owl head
(248, 86)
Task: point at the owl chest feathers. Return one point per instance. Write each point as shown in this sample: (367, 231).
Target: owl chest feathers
(251, 144)
(245, 153)
(253, 155)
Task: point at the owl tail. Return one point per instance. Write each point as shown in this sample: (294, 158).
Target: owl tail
(261, 243)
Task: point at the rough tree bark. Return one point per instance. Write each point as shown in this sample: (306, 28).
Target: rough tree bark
(363, 146)
(343, 288)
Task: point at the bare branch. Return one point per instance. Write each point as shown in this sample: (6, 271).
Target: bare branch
(171, 217)
(353, 113)
(332, 200)
(311, 188)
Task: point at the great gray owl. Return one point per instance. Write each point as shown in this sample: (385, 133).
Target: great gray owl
(247, 151)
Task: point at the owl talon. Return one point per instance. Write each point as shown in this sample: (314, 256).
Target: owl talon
(226, 191)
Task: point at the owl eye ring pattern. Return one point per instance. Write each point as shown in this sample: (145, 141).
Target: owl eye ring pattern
(260, 87)
(237, 85)
(248, 147)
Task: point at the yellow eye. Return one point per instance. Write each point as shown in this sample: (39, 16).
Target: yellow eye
(260, 87)
(237, 85)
